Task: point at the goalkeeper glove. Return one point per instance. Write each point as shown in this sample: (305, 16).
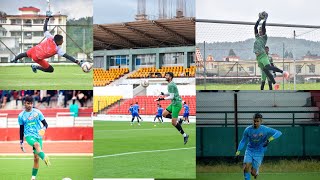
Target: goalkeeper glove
(79, 62)
(22, 147)
(237, 153)
(159, 99)
(265, 15)
(236, 156)
(42, 132)
(268, 141)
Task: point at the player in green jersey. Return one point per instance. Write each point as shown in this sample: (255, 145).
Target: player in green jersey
(30, 121)
(172, 111)
(262, 58)
(263, 82)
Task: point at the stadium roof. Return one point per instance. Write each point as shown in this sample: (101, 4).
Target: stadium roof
(145, 34)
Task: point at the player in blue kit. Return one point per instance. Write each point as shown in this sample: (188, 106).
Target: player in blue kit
(137, 109)
(259, 136)
(159, 114)
(134, 113)
(30, 127)
(186, 112)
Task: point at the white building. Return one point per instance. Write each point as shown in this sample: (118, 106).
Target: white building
(27, 28)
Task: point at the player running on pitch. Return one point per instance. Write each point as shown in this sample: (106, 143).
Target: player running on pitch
(134, 113)
(262, 57)
(259, 136)
(159, 114)
(186, 112)
(136, 107)
(44, 50)
(30, 127)
(172, 111)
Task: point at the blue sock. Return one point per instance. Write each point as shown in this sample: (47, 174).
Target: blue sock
(246, 176)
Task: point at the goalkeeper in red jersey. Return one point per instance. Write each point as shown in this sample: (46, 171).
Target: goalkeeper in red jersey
(46, 49)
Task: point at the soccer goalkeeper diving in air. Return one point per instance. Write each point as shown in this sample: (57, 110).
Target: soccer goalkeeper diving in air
(46, 49)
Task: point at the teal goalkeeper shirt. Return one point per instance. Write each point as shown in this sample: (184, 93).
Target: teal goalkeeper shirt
(32, 122)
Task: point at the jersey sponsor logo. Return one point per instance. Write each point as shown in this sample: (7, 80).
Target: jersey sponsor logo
(31, 123)
(30, 118)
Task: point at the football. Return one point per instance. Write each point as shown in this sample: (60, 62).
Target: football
(262, 15)
(144, 83)
(86, 67)
(66, 178)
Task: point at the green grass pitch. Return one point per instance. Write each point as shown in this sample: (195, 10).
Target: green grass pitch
(20, 168)
(63, 77)
(306, 86)
(142, 145)
(262, 176)
(269, 170)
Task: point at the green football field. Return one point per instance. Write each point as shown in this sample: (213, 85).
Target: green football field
(146, 151)
(64, 77)
(269, 170)
(19, 168)
(262, 176)
(306, 86)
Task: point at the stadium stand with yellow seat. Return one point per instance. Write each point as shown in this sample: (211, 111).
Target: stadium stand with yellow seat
(152, 72)
(150, 106)
(103, 77)
(101, 102)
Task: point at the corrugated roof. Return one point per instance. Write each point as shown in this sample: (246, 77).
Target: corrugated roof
(145, 34)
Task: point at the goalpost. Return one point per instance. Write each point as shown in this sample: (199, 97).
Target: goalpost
(65, 119)
(3, 120)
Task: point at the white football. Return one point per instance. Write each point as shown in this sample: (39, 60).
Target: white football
(145, 83)
(66, 178)
(86, 67)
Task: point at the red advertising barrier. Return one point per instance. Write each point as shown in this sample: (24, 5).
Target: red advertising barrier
(52, 134)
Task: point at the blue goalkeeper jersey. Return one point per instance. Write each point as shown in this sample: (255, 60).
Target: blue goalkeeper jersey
(160, 110)
(257, 137)
(32, 122)
(131, 109)
(136, 108)
(186, 108)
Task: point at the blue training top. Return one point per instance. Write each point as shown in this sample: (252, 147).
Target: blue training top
(160, 110)
(136, 107)
(186, 108)
(257, 137)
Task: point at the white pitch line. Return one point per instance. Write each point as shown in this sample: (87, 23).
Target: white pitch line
(138, 152)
